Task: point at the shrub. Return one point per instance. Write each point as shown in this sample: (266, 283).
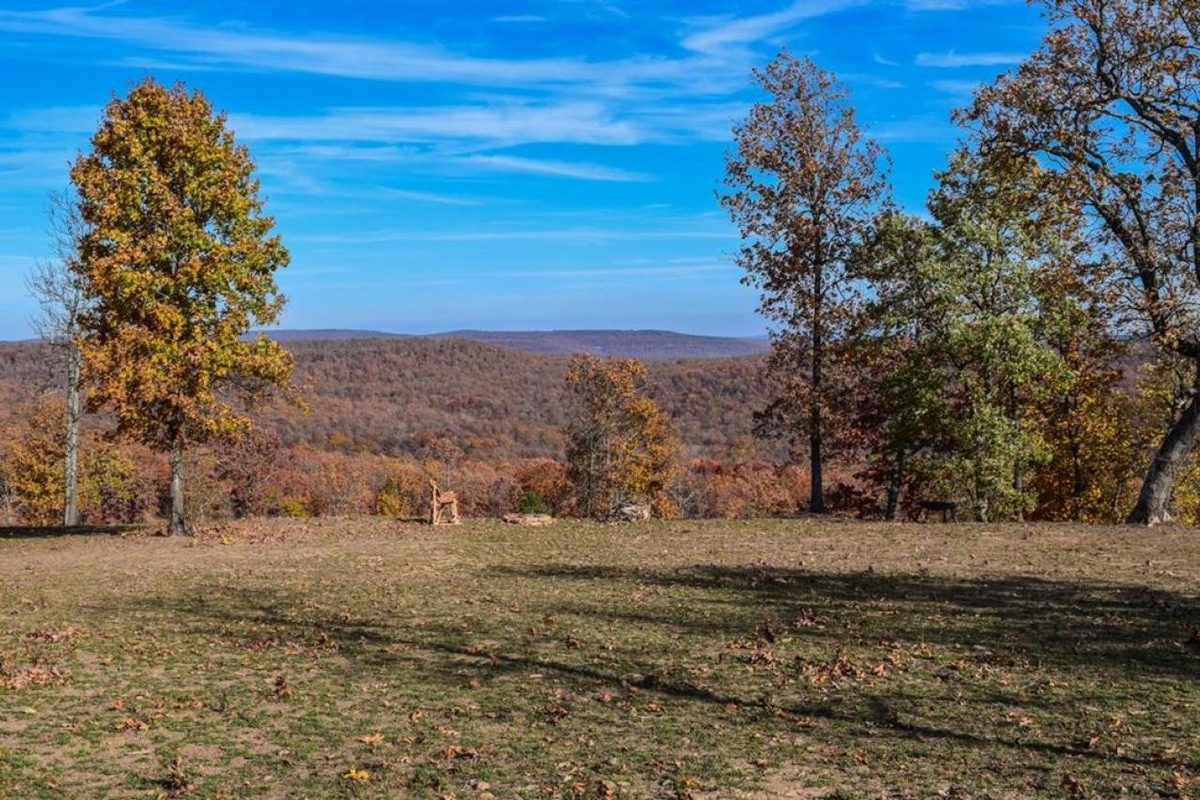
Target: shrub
(532, 503)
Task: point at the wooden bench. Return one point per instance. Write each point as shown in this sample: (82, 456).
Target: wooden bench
(439, 502)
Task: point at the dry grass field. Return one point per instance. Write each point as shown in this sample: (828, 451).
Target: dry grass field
(686, 659)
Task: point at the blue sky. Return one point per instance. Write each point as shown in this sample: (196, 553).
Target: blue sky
(529, 164)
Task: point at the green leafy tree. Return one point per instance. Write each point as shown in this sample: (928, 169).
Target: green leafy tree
(1110, 104)
(620, 446)
(802, 185)
(178, 263)
(959, 312)
(898, 340)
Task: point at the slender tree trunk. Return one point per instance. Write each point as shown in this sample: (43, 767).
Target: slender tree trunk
(817, 504)
(817, 493)
(895, 479)
(71, 465)
(1152, 502)
(178, 525)
(982, 509)
(1077, 487)
(1018, 466)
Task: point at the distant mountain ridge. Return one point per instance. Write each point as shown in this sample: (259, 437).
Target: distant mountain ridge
(650, 345)
(324, 334)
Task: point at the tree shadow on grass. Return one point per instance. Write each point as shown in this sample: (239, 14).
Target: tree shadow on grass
(55, 531)
(1087, 625)
(1096, 626)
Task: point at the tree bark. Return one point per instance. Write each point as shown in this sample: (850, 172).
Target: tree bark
(815, 457)
(1155, 496)
(177, 524)
(1019, 488)
(71, 465)
(895, 479)
(817, 504)
(1014, 410)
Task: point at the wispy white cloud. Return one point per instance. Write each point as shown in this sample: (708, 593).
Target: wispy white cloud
(294, 180)
(35, 168)
(518, 18)
(886, 62)
(961, 90)
(870, 79)
(331, 152)
(953, 60)
(561, 169)
(55, 119)
(392, 193)
(954, 5)
(498, 125)
(515, 234)
(594, 272)
(923, 128)
(719, 33)
(937, 5)
(339, 56)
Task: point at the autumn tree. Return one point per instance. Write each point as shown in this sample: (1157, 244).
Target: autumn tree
(1086, 419)
(56, 285)
(802, 185)
(1110, 102)
(246, 468)
(620, 446)
(35, 462)
(112, 491)
(178, 263)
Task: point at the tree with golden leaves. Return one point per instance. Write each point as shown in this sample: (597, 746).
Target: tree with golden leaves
(620, 446)
(35, 460)
(178, 262)
(803, 185)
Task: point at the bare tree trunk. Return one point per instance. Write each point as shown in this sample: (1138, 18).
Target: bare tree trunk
(71, 465)
(895, 479)
(177, 524)
(1152, 502)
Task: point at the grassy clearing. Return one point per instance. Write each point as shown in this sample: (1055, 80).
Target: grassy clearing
(797, 658)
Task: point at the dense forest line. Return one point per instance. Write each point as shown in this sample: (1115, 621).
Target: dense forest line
(381, 416)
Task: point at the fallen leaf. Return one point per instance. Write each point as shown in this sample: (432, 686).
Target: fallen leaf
(454, 751)
(357, 776)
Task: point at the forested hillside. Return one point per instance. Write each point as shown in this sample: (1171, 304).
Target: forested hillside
(448, 399)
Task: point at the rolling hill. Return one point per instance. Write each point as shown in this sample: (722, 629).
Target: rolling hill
(423, 396)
